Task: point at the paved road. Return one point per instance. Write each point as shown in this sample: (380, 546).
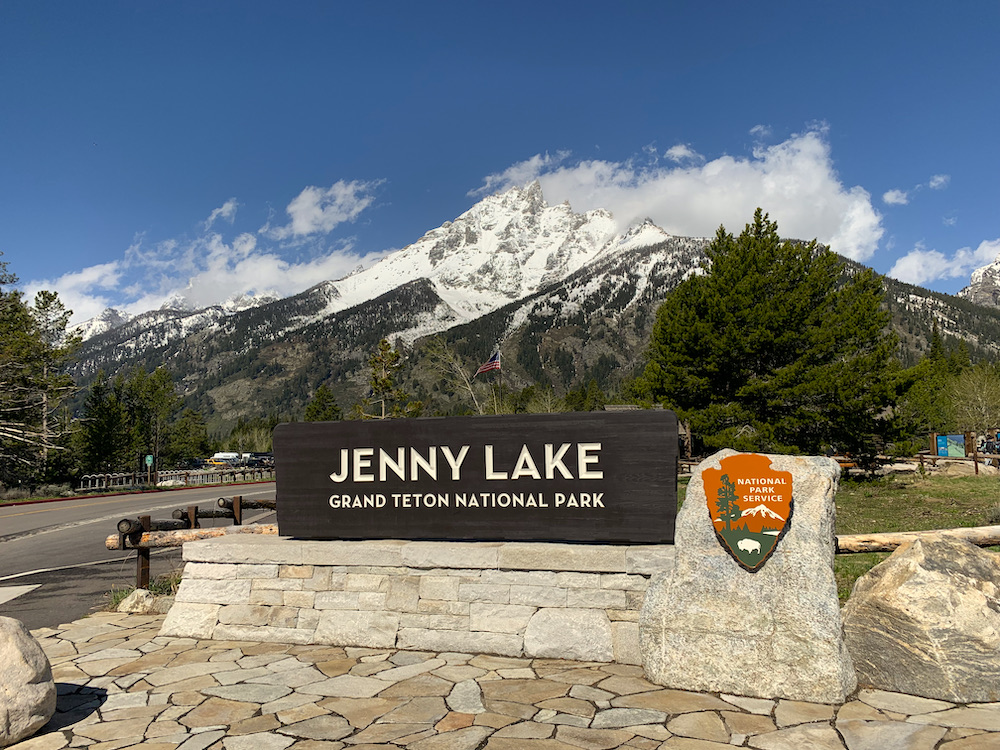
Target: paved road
(54, 567)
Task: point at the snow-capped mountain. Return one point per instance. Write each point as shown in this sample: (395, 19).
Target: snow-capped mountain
(571, 299)
(984, 286)
(504, 248)
(175, 306)
(103, 323)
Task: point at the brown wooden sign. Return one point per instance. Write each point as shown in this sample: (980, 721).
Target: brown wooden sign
(607, 477)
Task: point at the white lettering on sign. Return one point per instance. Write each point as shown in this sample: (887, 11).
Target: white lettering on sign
(584, 459)
(466, 500)
(410, 464)
(492, 473)
(357, 501)
(356, 464)
(553, 461)
(455, 462)
(585, 500)
(429, 465)
(362, 461)
(759, 490)
(526, 466)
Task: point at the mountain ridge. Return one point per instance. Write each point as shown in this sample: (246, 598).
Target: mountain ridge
(572, 299)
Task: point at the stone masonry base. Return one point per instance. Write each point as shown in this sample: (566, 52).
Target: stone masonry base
(563, 601)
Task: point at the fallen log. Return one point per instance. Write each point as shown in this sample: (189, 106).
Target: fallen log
(133, 525)
(227, 503)
(981, 536)
(177, 538)
(181, 513)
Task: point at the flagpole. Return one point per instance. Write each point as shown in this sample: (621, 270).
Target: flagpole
(499, 362)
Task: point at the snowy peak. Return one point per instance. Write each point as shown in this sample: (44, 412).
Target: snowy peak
(240, 302)
(642, 235)
(104, 322)
(505, 247)
(984, 286)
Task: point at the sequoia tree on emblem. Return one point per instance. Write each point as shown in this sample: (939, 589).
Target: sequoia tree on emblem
(750, 506)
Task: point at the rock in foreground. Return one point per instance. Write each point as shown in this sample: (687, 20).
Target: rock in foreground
(927, 622)
(27, 691)
(711, 626)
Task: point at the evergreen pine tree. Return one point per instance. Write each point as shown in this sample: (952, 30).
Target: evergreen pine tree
(323, 407)
(772, 348)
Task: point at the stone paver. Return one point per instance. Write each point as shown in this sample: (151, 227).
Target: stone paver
(120, 685)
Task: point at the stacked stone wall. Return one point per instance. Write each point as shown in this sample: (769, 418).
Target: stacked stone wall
(512, 599)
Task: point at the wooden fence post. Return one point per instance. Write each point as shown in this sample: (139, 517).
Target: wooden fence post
(142, 559)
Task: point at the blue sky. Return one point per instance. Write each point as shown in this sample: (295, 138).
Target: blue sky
(149, 149)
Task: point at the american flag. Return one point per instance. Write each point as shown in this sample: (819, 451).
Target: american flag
(493, 363)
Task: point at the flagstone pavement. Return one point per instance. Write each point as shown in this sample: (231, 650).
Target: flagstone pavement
(121, 685)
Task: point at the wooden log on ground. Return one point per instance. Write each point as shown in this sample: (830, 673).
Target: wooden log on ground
(177, 538)
(181, 513)
(981, 536)
(133, 526)
(226, 502)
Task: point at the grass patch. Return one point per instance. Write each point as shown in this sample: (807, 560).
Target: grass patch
(14, 495)
(682, 486)
(847, 569)
(908, 504)
(915, 503)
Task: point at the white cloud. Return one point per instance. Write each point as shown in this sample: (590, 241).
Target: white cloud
(939, 182)
(239, 268)
(211, 268)
(318, 210)
(87, 292)
(896, 197)
(226, 212)
(520, 173)
(794, 181)
(683, 153)
(921, 265)
(761, 131)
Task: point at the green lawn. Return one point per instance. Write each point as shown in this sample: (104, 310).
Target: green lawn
(910, 503)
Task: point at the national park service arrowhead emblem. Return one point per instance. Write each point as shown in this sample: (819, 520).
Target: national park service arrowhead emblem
(750, 506)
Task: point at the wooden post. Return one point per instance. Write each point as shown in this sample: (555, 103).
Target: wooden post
(238, 510)
(142, 560)
(192, 517)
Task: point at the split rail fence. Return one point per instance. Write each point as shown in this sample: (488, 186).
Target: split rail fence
(143, 533)
(124, 480)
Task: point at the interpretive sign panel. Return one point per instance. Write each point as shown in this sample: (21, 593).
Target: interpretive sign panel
(951, 445)
(608, 477)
